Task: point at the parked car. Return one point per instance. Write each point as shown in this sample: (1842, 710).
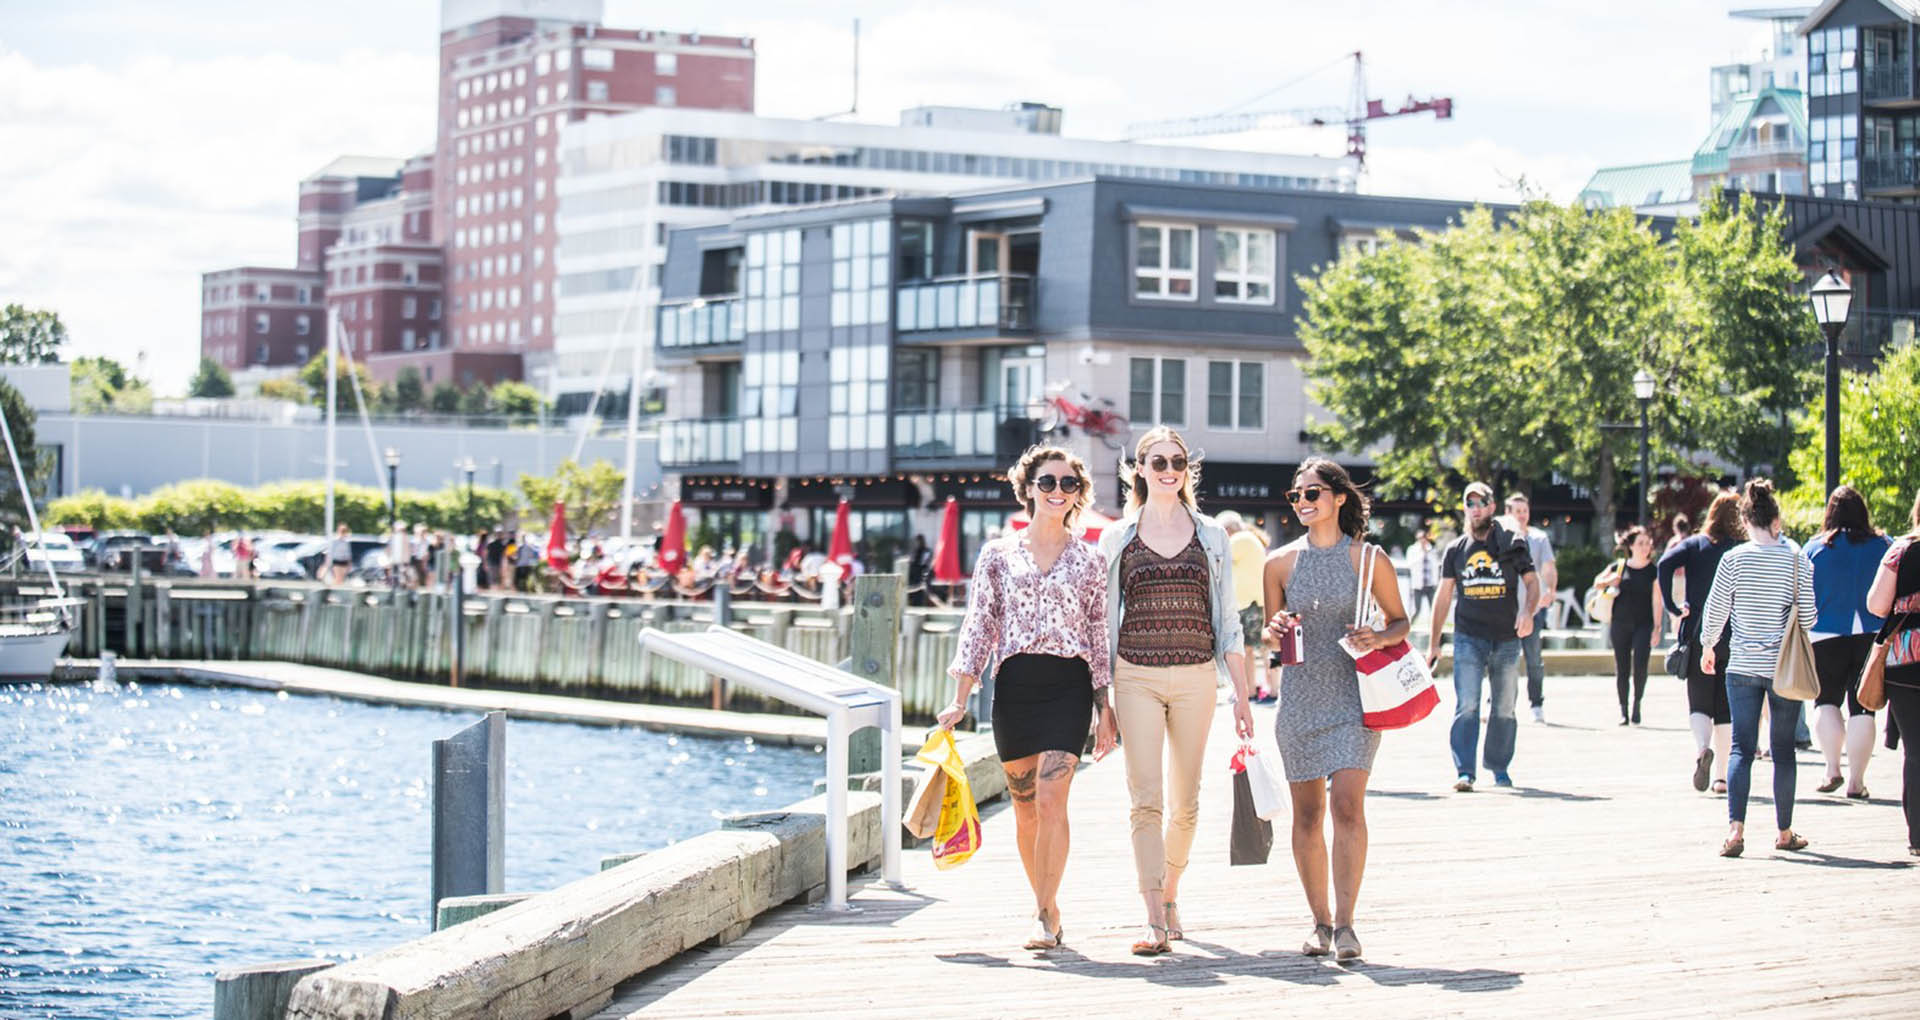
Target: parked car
(312, 556)
(51, 548)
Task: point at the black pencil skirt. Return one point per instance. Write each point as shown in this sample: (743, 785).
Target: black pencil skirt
(1041, 703)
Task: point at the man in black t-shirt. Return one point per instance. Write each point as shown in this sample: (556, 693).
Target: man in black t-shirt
(1498, 589)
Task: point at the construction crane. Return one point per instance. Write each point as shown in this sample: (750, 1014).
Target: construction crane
(1359, 111)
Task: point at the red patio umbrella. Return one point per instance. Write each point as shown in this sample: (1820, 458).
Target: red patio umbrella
(672, 553)
(946, 552)
(557, 537)
(840, 550)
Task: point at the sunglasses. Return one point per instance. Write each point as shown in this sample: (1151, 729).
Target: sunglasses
(1068, 484)
(1475, 502)
(1159, 463)
(1309, 493)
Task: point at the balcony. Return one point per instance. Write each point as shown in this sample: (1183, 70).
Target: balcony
(1772, 149)
(699, 442)
(702, 322)
(1870, 335)
(994, 303)
(1889, 172)
(989, 436)
(1888, 84)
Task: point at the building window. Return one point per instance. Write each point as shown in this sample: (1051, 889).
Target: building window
(860, 262)
(664, 95)
(916, 250)
(773, 280)
(409, 307)
(1243, 266)
(262, 322)
(857, 397)
(1163, 261)
(666, 63)
(597, 58)
(1236, 392)
(433, 309)
(302, 324)
(303, 295)
(596, 91)
(769, 401)
(916, 379)
(406, 340)
(542, 64)
(562, 59)
(1157, 391)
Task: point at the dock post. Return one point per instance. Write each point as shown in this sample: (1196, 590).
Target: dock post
(259, 992)
(469, 812)
(878, 603)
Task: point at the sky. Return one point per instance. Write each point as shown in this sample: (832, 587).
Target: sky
(147, 143)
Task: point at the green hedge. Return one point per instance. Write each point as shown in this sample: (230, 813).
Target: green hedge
(194, 507)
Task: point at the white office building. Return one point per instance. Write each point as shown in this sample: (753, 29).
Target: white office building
(626, 180)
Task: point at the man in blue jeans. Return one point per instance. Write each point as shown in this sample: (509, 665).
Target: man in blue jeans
(1540, 549)
(1498, 595)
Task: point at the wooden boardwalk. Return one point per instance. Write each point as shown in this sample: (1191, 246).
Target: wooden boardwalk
(1593, 886)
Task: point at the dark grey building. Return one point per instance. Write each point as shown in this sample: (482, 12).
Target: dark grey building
(901, 349)
(1863, 111)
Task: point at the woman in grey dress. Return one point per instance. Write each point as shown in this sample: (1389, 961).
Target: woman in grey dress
(1313, 583)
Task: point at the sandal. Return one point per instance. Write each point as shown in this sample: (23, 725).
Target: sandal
(1860, 794)
(1832, 784)
(1733, 847)
(1174, 932)
(1719, 786)
(1150, 947)
(1040, 939)
(1320, 943)
(1794, 841)
(1346, 944)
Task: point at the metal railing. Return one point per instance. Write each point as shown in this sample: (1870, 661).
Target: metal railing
(694, 441)
(703, 322)
(1889, 170)
(960, 433)
(1773, 147)
(1868, 335)
(1890, 81)
(993, 301)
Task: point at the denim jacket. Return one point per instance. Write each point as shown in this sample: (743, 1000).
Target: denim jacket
(1227, 636)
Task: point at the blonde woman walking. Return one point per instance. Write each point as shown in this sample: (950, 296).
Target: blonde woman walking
(1174, 633)
(1037, 620)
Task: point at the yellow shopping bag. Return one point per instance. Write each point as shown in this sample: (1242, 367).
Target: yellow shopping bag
(957, 834)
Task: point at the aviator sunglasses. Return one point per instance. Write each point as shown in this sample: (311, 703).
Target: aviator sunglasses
(1310, 493)
(1158, 463)
(1068, 484)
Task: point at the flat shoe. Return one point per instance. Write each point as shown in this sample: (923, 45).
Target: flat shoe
(1793, 842)
(1860, 794)
(1703, 769)
(1320, 943)
(1830, 785)
(1149, 946)
(1346, 945)
(1733, 847)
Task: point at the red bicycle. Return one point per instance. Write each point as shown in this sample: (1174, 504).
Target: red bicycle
(1094, 416)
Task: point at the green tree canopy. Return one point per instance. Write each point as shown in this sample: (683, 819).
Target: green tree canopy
(20, 421)
(409, 390)
(287, 388)
(30, 336)
(1506, 345)
(1879, 443)
(104, 386)
(314, 375)
(445, 398)
(592, 494)
(515, 399)
(212, 381)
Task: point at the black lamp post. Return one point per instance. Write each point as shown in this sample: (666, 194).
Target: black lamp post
(1832, 299)
(394, 545)
(469, 466)
(1643, 392)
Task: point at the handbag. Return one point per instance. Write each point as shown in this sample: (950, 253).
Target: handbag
(1396, 688)
(1795, 677)
(1680, 659)
(1251, 837)
(923, 811)
(1269, 789)
(1872, 694)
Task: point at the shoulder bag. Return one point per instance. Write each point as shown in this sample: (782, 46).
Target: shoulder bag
(1794, 675)
(1897, 629)
(1396, 688)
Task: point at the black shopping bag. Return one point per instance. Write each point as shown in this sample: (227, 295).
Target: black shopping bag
(1252, 835)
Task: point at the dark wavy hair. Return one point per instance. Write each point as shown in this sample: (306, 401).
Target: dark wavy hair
(1757, 504)
(1723, 518)
(1847, 515)
(1353, 513)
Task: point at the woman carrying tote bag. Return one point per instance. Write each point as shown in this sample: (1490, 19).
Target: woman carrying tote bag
(1762, 589)
(1896, 595)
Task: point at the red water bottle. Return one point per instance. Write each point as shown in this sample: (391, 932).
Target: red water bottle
(1291, 651)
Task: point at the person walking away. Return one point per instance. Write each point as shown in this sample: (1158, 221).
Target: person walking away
(1693, 564)
(1682, 530)
(1499, 591)
(339, 556)
(496, 547)
(526, 563)
(1248, 549)
(1540, 548)
(1896, 595)
(1845, 556)
(1037, 622)
(243, 557)
(1423, 569)
(1636, 619)
(1174, 633)
(919, 572)
(1753, 591)
(1313, 583)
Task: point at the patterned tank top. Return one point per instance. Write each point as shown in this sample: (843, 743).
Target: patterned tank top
(1168, 614)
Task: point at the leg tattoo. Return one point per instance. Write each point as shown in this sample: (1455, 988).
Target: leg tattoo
(1020, 786)
(1056, 764)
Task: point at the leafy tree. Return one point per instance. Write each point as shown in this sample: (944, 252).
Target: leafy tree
(445, 398)
(93, 508)
(20, 421)
(1879, 442)
(592, 494)
(314, 375)
(104, 386)
(211, 381)
(30, 336)
(287, 388)
(474, 401)
(515, 399)
(409, 390)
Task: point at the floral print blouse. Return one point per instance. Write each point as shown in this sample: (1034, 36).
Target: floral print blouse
(1018, 609)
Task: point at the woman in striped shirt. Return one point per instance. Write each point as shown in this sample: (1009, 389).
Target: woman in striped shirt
(1753, 590)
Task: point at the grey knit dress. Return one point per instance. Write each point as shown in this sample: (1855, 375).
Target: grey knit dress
(1319, 729)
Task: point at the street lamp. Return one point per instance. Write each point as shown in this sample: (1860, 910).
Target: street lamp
(395, 548)
(468, 466)
(1832, 299)
(1643, 392)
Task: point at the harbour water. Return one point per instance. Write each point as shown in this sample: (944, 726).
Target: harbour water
(155, 835)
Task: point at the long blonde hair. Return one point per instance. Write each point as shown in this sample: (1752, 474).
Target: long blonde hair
(1136, 471)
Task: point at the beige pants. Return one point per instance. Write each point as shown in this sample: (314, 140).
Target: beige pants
(1170, 706)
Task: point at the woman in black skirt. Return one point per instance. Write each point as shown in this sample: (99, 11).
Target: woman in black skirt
(1038, 612)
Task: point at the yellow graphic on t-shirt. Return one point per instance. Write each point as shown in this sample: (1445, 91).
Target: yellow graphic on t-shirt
(1480, 577)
